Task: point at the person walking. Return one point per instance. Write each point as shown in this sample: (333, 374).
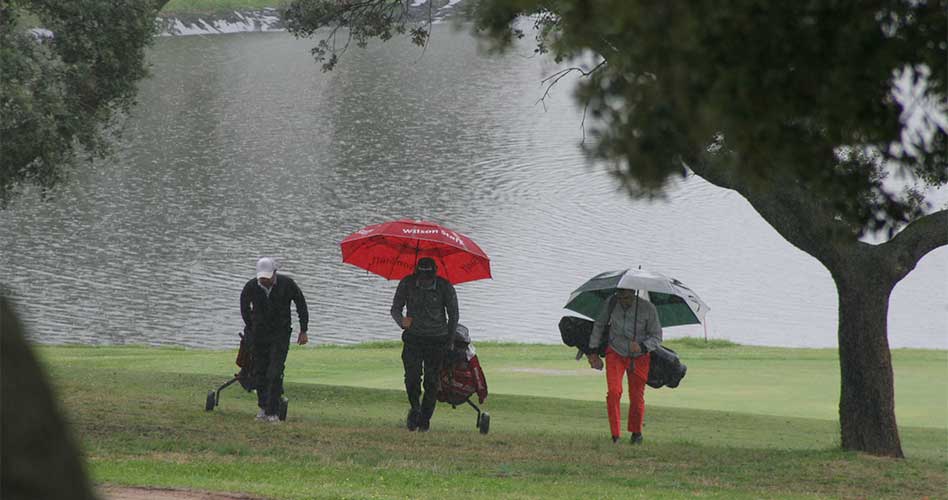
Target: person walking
(265, 308)
(633, 330)
(428, 334)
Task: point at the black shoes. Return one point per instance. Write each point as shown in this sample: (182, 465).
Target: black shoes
(417, 420)
(635, 439)
(424, 419)
(414, 415)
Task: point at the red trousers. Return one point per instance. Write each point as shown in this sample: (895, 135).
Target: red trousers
(637, 370)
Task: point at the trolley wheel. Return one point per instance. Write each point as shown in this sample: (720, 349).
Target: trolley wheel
(211, 401)
(484, 423)
(284, 404)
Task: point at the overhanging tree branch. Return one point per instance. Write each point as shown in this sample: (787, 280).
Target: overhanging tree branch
(784, 204)
(918, 239)
(553, 79)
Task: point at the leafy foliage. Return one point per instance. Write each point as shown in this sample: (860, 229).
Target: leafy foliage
(774, 90)
(63, 87)
(362, 20)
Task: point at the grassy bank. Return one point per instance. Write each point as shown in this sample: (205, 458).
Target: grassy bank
(215, 6)
(746, 423)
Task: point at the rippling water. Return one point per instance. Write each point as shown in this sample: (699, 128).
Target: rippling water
(242, 147)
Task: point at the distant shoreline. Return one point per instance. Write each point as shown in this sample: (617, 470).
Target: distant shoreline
(183, 24)
(201, 21)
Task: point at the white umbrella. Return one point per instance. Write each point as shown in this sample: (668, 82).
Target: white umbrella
(676, 303)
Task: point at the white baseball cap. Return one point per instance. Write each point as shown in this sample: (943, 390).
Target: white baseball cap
(265, 267)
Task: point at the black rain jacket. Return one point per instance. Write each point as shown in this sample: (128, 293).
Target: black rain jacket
(267, 319)
(434, 312)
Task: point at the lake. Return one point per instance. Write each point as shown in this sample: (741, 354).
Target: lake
(242, 147)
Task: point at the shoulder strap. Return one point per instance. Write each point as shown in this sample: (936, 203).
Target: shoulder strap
(610, 306)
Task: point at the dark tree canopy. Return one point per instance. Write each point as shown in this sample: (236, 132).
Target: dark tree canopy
(62, 88)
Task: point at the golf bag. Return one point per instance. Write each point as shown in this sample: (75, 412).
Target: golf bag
(575, 332)
(665, 368)
(461, 377)
(245, 363)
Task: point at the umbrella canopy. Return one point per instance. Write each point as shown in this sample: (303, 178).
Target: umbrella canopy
(676, 303)
(391, 250)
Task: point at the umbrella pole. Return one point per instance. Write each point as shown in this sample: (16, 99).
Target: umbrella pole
(635, 316)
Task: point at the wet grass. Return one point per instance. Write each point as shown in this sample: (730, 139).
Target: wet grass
(721, 376)
(218, 6)
(139, 414)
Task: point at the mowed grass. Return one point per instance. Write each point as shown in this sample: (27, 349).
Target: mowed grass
(732, 430)
(217, 6)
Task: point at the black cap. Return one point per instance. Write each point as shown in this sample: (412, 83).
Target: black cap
(426, 265)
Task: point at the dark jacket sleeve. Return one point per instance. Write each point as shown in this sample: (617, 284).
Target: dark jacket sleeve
(246, 312)
(398, 302)
(451, 306)
(301, 311)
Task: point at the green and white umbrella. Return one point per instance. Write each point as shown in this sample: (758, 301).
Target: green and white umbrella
(676, 303)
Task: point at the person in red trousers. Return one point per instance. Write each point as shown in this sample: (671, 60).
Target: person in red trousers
(634, 331)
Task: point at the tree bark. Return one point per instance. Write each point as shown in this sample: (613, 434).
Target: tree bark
(867, 393)
(865, 276)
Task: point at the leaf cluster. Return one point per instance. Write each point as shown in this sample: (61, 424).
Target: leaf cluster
(63, 86)
(360, 21)
(774, 90)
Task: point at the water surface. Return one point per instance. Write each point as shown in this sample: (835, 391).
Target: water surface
(241, 147)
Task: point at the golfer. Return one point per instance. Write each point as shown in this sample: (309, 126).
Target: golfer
(633, 329)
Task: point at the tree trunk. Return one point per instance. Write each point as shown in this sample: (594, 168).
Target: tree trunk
(865, 276)
(867, 396)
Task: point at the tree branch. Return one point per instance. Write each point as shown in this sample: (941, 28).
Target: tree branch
(785, 205)
(559, 75)
(917, 239)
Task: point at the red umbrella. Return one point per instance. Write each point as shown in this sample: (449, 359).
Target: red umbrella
(391, 250)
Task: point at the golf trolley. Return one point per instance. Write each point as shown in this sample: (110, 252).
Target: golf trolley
(483, 418)
(245, 378)
(462, 377)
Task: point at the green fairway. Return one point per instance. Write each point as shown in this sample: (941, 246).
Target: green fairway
(747, 422)
(758, 380)
(218, 6)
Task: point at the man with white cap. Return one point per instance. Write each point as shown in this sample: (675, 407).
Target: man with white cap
(265, 308)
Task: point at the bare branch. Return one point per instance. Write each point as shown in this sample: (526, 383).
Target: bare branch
(582, 123)
(559, 75)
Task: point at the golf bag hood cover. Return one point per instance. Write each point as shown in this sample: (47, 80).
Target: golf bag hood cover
(461, 334)
(575, 332)
(665, 369)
